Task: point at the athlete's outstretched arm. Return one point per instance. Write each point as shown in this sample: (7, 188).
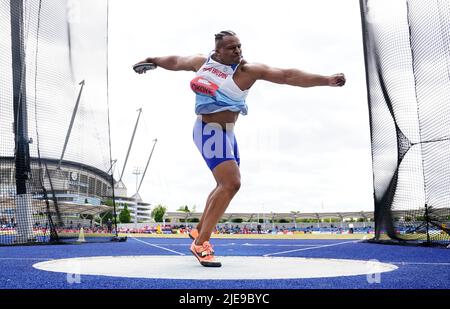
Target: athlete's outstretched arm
(177, 63)
(292, 77)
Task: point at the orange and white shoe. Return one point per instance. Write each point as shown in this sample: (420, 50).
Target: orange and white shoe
(205, 254)
(193, 234)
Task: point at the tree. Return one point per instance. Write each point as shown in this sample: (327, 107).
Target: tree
(108, 202)
(307, 220)
(158, 213)
(125, 215)
(184, 208)
(105, 216)
(109, 214)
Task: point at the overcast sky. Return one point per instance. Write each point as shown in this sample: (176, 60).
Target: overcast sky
(302, 149)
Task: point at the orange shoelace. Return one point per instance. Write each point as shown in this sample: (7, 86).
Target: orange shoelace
(207, 249)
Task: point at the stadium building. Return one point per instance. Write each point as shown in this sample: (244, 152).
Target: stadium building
(137, 207)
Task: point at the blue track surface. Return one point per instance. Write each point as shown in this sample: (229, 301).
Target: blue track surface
(418, 267)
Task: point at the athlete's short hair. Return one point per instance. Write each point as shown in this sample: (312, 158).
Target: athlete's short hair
(219, 36)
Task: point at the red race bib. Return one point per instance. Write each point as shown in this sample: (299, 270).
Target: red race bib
(203, 86)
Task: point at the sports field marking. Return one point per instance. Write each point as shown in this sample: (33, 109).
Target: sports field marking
(235, 267)
(312, 248)
(160, 247)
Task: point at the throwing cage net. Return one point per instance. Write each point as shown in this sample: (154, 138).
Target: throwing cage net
(55, 162)
(407, 58)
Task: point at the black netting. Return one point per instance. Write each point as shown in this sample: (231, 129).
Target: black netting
(407, 57)
(54, 150)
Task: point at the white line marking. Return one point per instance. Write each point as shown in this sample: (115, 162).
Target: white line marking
(311, 248)
(237, 267)
(179, 253)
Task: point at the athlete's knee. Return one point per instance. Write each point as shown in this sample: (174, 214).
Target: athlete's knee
(231, 185)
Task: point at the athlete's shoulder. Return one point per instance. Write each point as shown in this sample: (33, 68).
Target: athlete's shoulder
(252, 68)
(200, 57)
(198, 60)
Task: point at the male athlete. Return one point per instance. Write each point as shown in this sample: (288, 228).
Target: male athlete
(221, 86)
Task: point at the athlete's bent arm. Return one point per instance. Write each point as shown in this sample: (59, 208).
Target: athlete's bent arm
(293, 77)
(177, 63)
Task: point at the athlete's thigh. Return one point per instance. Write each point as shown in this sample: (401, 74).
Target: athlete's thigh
(226, 172)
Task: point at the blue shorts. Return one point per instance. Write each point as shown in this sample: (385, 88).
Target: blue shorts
(216, 144)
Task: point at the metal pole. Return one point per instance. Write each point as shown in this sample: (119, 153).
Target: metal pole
(23, 211)
(427, 220)
(131, 143)
(69, 131)
(112, 162)
(136, 172)
(145, 170)
(135, 211)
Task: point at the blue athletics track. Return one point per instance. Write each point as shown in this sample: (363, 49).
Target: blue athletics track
(166, 263)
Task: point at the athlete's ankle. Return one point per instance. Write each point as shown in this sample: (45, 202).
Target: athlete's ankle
(198, 242)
